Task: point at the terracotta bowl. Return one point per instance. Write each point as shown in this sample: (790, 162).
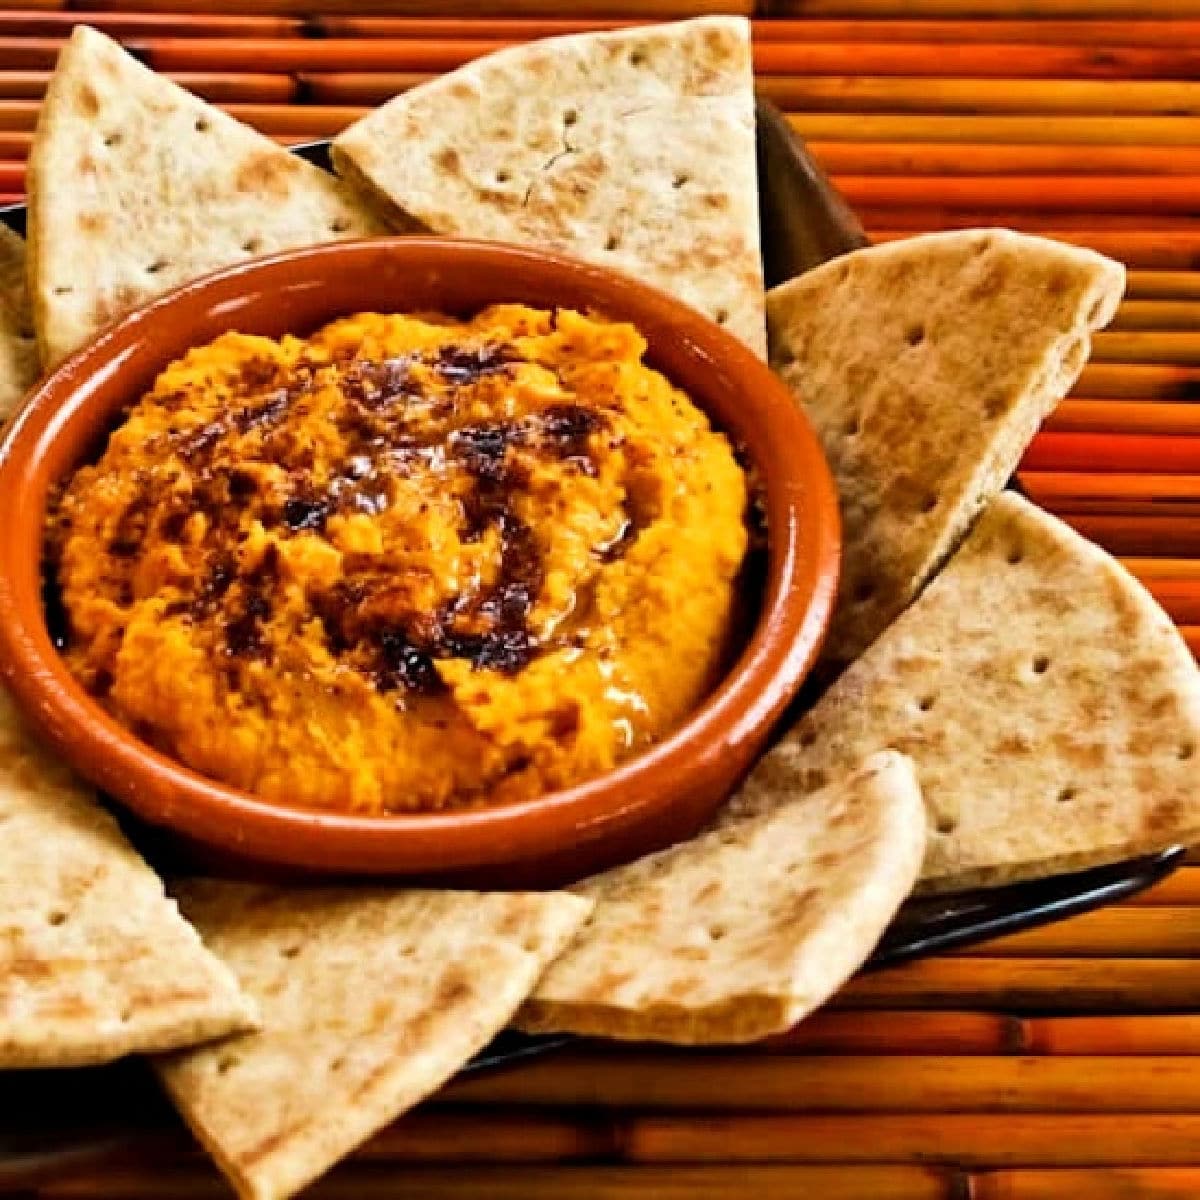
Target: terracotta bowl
(658, 797)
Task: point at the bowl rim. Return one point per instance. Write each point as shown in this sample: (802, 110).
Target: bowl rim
(802, 576)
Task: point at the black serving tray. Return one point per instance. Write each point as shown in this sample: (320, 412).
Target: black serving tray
(56, 1122)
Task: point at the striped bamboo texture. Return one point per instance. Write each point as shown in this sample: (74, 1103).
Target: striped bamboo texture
(1059, 1063)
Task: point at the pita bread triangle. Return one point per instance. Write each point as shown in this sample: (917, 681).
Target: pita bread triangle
(926, 366)
(19, 366)
(136, 185)
(1051, 707)
(747, 928)
(371, 999)
(96, 962)
(633, 148)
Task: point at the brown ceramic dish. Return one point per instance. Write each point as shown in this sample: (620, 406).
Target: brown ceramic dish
(655, 798)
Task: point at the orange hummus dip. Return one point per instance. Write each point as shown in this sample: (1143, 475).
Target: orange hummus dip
(405, 563)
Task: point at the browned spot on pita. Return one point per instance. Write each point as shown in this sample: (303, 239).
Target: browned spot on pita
(709, 891)
(108, 307)
(27, 966)
(89, 102)
(716, 200)
(447, 160)
(267, 173)
(454, 989)
(269, 1145)
(989, 285)
(462, 91)
(87, 165)
(1086, 755)
(1012, 743)
(684, 987)
(1057, 283)
(93, 222)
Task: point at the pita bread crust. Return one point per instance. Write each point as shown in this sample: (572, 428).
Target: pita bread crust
(926, 366)
(746, 929)
(1051, 707)
(371, 999)
(96, 961)
(19, 367)
(634, 149)
(136, 186)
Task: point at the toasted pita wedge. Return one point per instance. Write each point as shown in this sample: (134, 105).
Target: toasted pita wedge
(18, 349)
(1051, 707)
(633, 149)
(926, 366)
(746, 929)
(136, 185)
(370, 1000)
(95, 961)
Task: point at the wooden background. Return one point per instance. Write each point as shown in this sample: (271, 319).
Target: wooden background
(1059, 1063)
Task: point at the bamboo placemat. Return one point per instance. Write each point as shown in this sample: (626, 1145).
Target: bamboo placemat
(1063, 1062)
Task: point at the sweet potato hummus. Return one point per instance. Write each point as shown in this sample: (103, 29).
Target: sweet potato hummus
(405, 563)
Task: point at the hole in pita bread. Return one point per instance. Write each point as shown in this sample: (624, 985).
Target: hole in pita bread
(1186, 751)
(202, 125)
(716, 932)
(289, 951)
(339, 224)
(721, 315)
(1093, 313)
(63, 291)
(914, 335)
(156, 266)
(1067, 793)
(637, 58)
(944, 823)
(1015, 555)
(56, 918)
(570, 117)
(252, 245)
(994, 407)
(503, 176)
(680, 179)
(852, 427)
(808, 737)
(1041, 664)
(113, 139)
(612, 242)
(863, 592)
(226, 1063)
(337, 1065)
(926, 703)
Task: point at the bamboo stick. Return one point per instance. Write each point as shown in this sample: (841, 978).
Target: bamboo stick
(1158, 314)
(1140, 534)
(1046, 129)
(1191, 635)
(1121, 381)
(644, 9)
(15, 146)
(25, 23)
(903, 1032)
(771, 58)
(1050, 985)
(934, 215)
(217, 86)
(1064, 485)
(963, 1139)
(1040, 193)
(1181, 887)
(1040, 32)
(953, 158)
(887, 94)
(1163, 568)
(1141, 9)
(323, 119)
(655, 1080)
(359, 87)
(1124, 417)
(1103, 1183)
(590, 1182)
(1160, 932)
(39, 5)
(1163, 285)
(1093, 453)
(12, 176)
(1143, 1035)
(1141, 347)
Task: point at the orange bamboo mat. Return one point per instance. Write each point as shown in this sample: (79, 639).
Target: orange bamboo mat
(1060, 1063)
